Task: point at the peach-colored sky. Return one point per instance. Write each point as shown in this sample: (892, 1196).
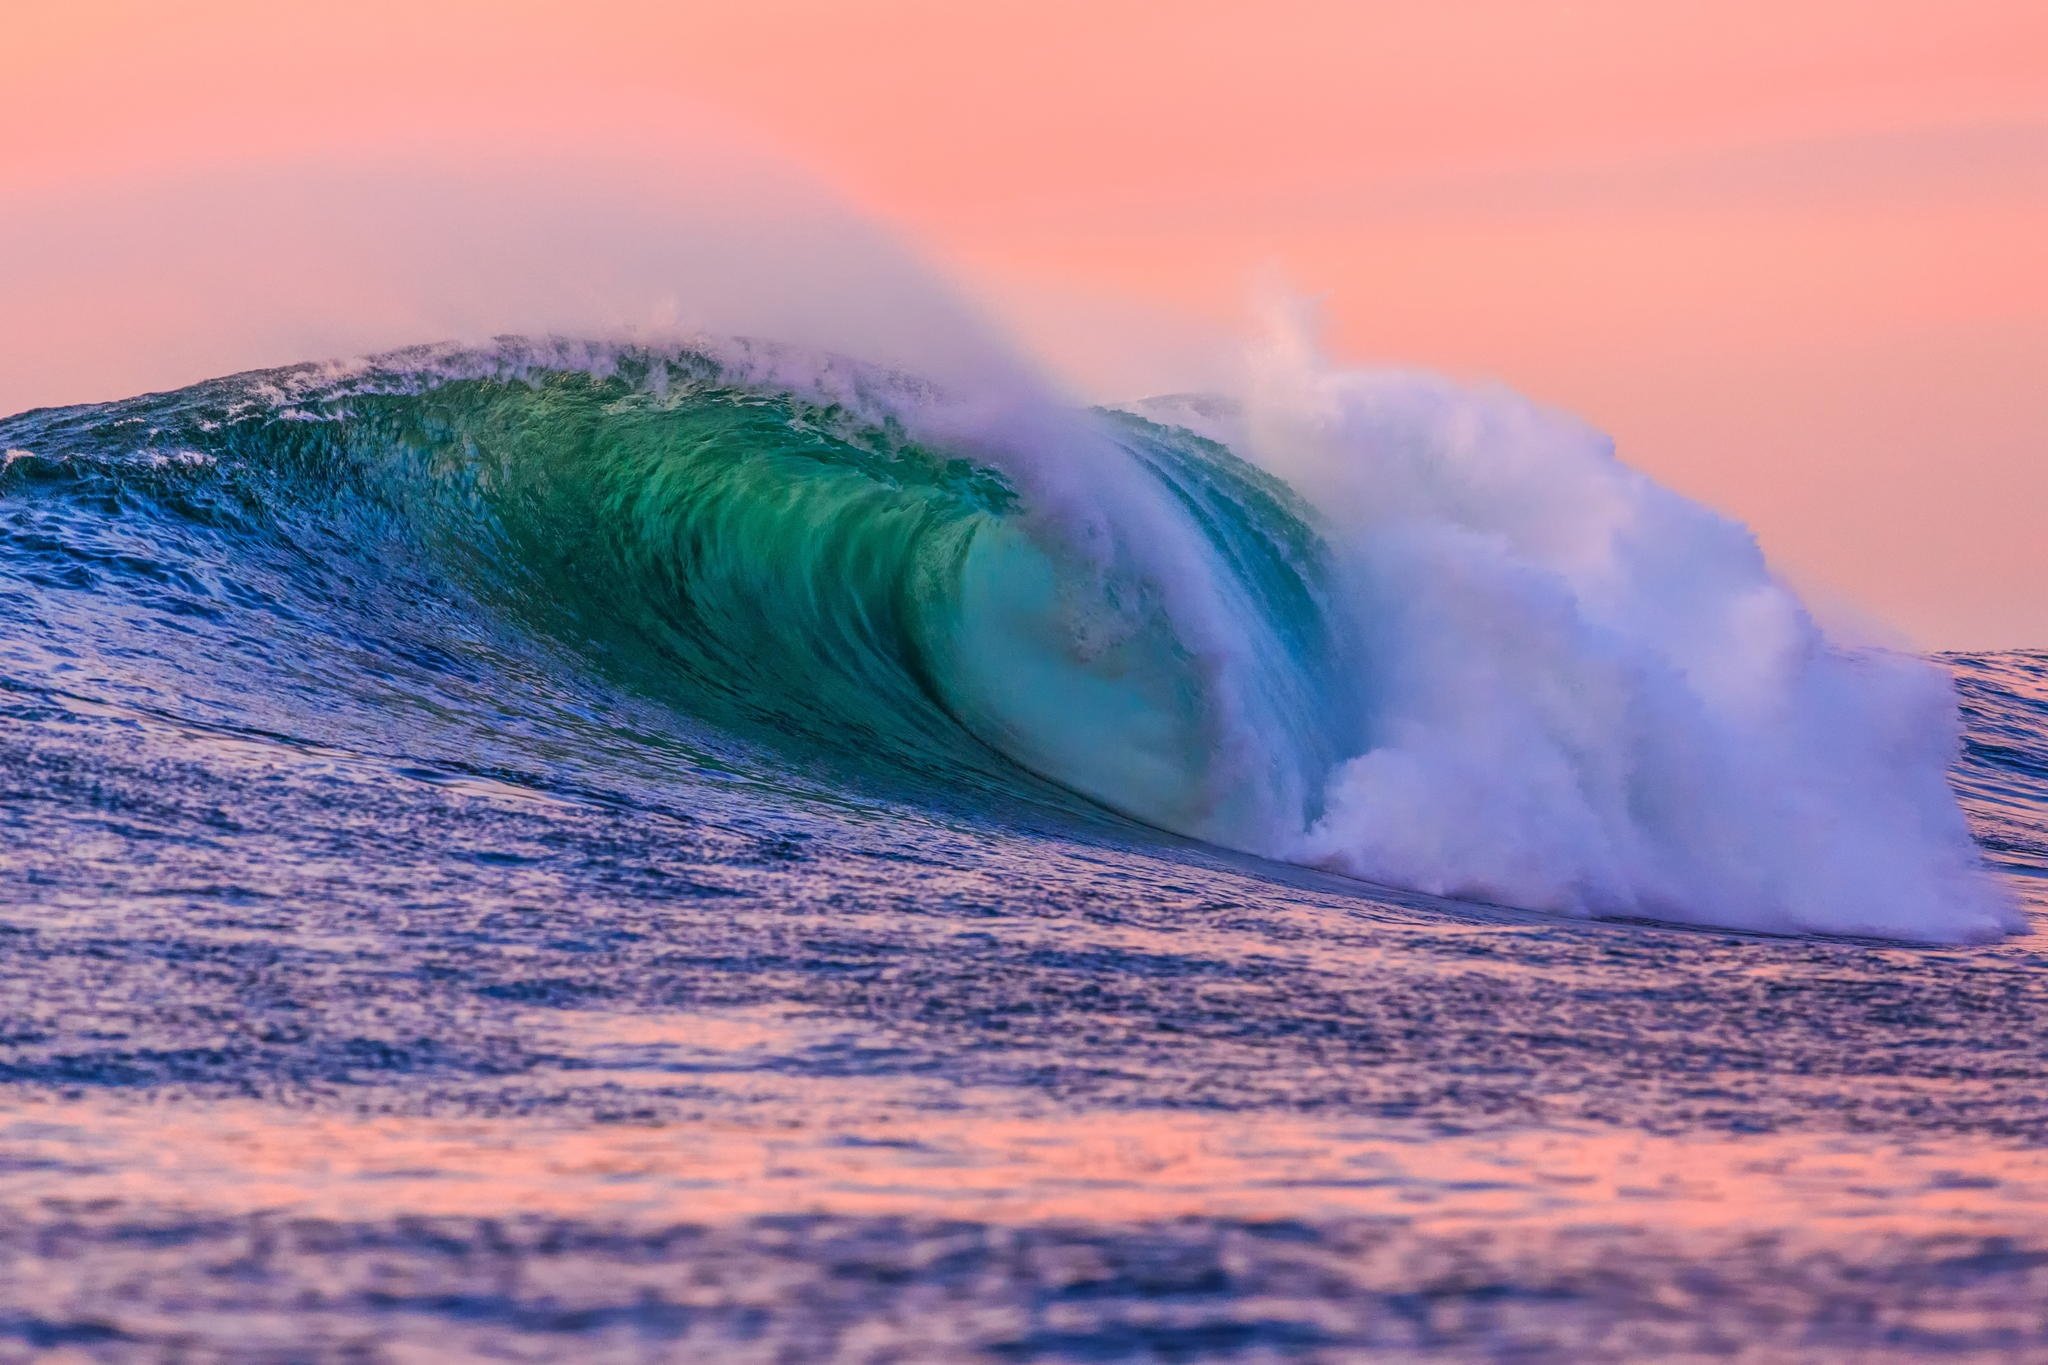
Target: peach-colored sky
(1790, 253)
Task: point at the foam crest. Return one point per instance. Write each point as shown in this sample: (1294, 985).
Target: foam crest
(1581, 692)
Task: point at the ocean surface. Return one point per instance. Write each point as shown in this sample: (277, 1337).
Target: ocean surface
(609, 853)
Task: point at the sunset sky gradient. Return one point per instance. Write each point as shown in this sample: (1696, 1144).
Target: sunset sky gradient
(1793, 255)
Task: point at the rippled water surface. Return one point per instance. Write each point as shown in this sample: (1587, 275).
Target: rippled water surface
(306, 1046)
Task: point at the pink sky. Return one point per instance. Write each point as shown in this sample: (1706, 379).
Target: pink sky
(1790, 254)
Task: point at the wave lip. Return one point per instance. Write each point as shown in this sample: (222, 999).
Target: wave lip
(1422, 635)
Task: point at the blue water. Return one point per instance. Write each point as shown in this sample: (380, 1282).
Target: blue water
(555, 869)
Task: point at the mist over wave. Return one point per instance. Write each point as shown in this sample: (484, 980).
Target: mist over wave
(1380, 623)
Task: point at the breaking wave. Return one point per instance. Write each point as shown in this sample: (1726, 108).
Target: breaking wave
(1422, 635)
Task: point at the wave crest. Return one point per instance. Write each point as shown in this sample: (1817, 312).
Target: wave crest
(1426, 636)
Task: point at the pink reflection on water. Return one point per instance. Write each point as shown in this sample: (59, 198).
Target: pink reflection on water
(767, 1142)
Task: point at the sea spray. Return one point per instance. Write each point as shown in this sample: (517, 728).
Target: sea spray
(1586, 693)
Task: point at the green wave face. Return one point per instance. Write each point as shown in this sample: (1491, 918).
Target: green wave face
(815, 580)
(1519, 672)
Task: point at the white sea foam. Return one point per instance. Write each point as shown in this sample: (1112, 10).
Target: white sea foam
(1583, 692)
